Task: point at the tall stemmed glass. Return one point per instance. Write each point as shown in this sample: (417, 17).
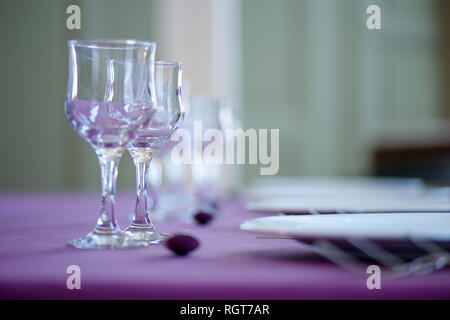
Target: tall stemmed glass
(168, 116)
(106, 103)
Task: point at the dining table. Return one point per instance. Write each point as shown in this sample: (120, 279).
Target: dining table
(229, 263)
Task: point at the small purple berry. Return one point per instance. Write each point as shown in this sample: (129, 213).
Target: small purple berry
(203, 217)
(182, 244)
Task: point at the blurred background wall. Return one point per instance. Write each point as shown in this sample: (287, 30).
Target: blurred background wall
(337, 91)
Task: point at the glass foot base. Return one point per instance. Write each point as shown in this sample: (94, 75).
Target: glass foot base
(116, 240)
(149, 234)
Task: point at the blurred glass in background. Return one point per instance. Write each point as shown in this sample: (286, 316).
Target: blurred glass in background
(187, 187)
(347, 100)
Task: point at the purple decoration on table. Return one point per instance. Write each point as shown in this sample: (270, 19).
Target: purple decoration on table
(182, 244)
(203, 217)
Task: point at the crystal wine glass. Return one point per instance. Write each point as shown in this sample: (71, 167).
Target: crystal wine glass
(107, 101)
(168, 116)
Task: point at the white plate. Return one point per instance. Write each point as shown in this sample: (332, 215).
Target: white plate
(326, 186)
(382, 227)
(336, 204)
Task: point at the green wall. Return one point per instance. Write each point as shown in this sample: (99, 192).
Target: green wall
(314, 70)
(39, 149)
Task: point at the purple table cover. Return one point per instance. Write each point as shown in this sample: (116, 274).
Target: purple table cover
(229, 264)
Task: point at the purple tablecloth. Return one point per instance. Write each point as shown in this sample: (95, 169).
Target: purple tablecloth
(230, 264)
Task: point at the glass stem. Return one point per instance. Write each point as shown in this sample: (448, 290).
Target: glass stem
(109, 161)
(142, 159)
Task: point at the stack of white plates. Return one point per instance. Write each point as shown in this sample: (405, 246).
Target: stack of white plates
(392, 213)
(388, 230)
(344, 195)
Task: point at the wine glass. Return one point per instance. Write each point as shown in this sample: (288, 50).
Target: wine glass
(168, 116)
(107, 101)
(207, 180)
